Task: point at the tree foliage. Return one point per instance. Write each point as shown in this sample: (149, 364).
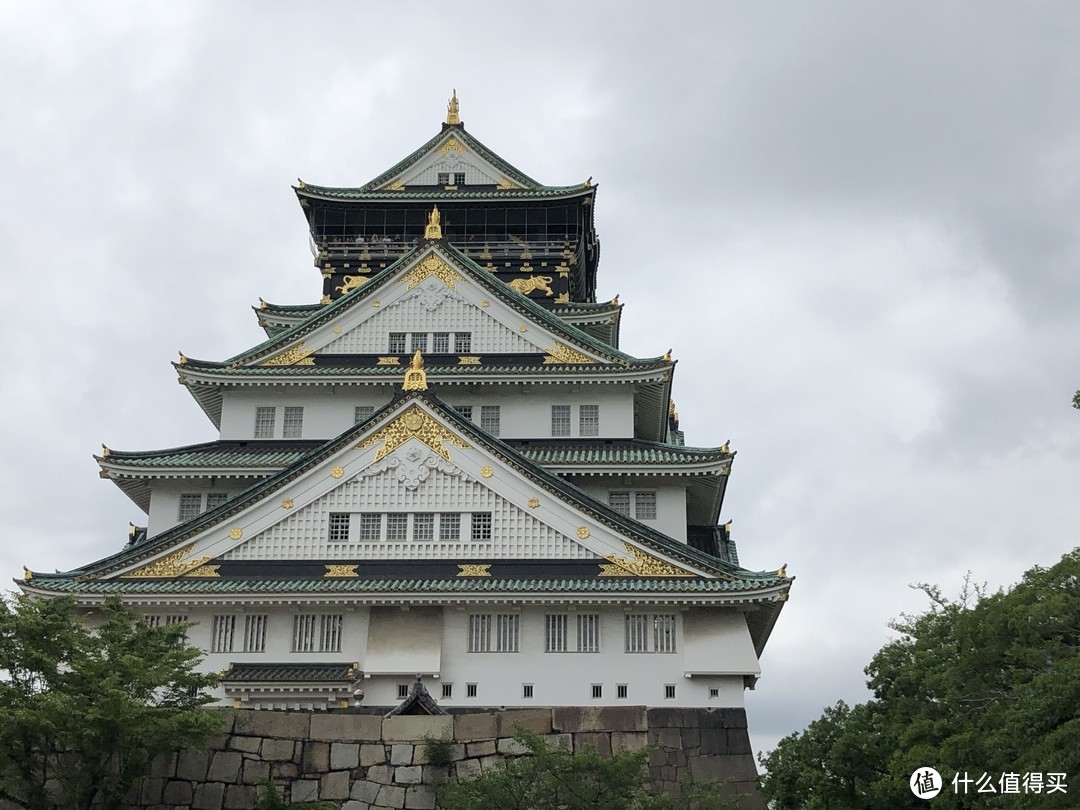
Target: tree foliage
(986, 684)
(88, 701)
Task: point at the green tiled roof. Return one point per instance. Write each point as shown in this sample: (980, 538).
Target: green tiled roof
(440, 194)
(433, 372)
(259, 454)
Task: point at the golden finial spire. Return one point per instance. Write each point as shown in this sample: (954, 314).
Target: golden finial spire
(105, 451)
(433, 229)
(27, 574)
(452, 116)
(415, 378)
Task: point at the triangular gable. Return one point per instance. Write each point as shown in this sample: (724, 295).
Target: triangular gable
(417, 448)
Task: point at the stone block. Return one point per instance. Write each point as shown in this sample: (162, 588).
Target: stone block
(599, 718)
(240, 797)
(356, 805)
(249, 745)
(691, 738)
(738, 741)
(401, 754)
(390, 796)
(665, 718)
(408, 775)
(305, 790)
(164, 766)
(669, 737)
(278, 750)
(192, 765)
(151, 791)
(406, 728)
(487, 764)
(382, 774)
(474, 726)
(255, 772)
(560, 741)
(468, 769)
(225, 767)
(372, 754)
(419, 798)
(714, 741)
(740, 768)
(435, 773)
(593, 739)
(508, 746)
(734, 718)
(316, 757)
(177, 793)
(227, 718)
(346, 727)
(421, 754)
(334, 785)
(287, 725)
(284, 770)
(208, 797)
(480, 749)
(628, 740)
(218, 743)
(537, 721)
(365, 791)
(344, 756)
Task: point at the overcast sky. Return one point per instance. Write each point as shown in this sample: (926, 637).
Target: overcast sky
(855, 223)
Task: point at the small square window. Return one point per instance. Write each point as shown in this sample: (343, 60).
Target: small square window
(645, 505)
(190, 506)
(620, 502)
(714, 692)
(449, 527)
(560, 420)
(597, 691)
(526, 690)
(397, 527)
(264, 422)
(447, 690)
(669, 691)
(402, 691)
(440, 343)
(362, 412)
(620, 691)
(589, 420)
(397, 343)
(489, 419)
(465, 411)
(215, 499)
(292, 426)
(444, 178)
(370, 528)
(424, 527)
(338, 529)
(462, 342)
(481, 527)
(470, 690)
(418, 341)
(459, 178)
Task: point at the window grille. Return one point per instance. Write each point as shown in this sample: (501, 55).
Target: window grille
(588, 632)
(255, 633)
(449, 527)
(362, 412)
(304, 633)
(620, 502)
(560, 420)
(465, 411)
(479, 633)
(526, 690)
(620, 691)
(153, 621)
(338, 530)
(669, 691)
(645, 505)
(447, 690)
(470, 690)
(418, 340)
(462, 342)
(555, 632)
(424, 527)
(397, 343)
(190, 506)
(174, 618)
(402, 691)
(370, 529)
(714, 692)
(397, 527)
(506, 632)
(292, 425)
(664, 633)
(597, 691)
(264, 422)
(330, 633)
(589, 420)
(444, 178)
(215, 499)
(637, 633)
(459, 178)
(221, 636)
(481, 527)
(440, 343)
(489, 419)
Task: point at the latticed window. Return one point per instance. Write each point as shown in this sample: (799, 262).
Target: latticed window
(664, 633)
(370, 529)
(637, 633)
(292, 426)
(305, 633)
(645, 505)
(338, 529)
(221, 634)
(397, 343)
(526, 690)
(418, 341)
(669, 691)
(440, 342)
(621, 691)
(506, 632)
(480, 632)
(314, 633)
(215, 499)
(330, 632)
(264, 422)
(597, 691)
(620, 502)
(462, 342)
(423, 526)
(481, 527)
(402, 691)
(489, 419)
(174, 618)
(560, 420)
(190, 506)
(447, 690)
(470, 690)
(444, 178)
(588, 632)
(397, 527)
(362, 412)
(449, 527)
(589, 420)
(255, 633)
(555, 632)
(465, 411)
(459, 178)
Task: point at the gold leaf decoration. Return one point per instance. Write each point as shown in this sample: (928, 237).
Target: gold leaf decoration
(640, 564)
(465, 570)
(337, 472)
(341, 571)
(388, 361)
(414, 423)
(534, 502)
(171, 565)
(451, 144)
(583, 532)
(236, 533)
(486, 472)
(564, 354)
(396, 185)
(468, 360)
(294, 356)
(432, 265)
(205, 571)
(287, 503)
(505, 184)
(350, 284)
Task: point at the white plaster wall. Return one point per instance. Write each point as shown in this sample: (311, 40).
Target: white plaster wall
(165, 497)
(328, 410)
(670, 499)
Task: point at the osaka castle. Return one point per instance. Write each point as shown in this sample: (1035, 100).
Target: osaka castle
(445, 468)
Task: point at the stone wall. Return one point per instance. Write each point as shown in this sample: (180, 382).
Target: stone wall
(362, 761)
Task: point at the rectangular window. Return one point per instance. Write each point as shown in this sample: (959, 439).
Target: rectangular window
(459, 178)
(221, 634)
(588, 632)
(330, 633)
(669, 691)
(589, 420)
(418, 341)
(264, 422)
(402, 691)
(292, 425)
(338, 530)
(190, 506)
(506, 632)
(462, 342)
(555, 632)
(560, 420)
(444, 178)
(620, 691)
(370, 528)
(153, 621)
(470, 690)
(304, 633)
(215, 499)
(424, 527)
(481, 527)
(440, 343)
(645, 505)
(397, 527)
(489, 419)
(465, 411)
(597, 691)
(362, 412)
(620, 502)
(397, 343)
(714, 692)
(449, 527)
(526, 690)
(479, 632)
(664, 633)
(255, 633)
(447, 690)
(174, 618)
(637, 633)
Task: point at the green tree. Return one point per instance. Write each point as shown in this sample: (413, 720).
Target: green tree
(985, 684)
(88, 700)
